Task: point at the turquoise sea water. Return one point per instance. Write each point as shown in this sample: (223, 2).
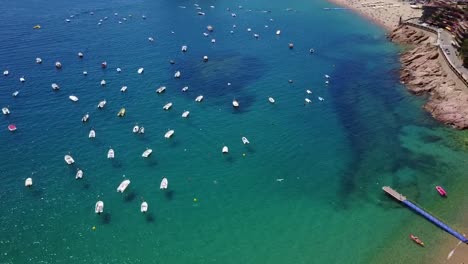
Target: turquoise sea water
(333, 155)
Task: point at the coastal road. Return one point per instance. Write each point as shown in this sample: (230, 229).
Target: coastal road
(445, 42)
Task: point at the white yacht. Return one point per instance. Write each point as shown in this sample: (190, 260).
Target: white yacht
(185, 89)
(140, 70)
(161, 89)
(6, 111)
(5, 73)
(85, 118)
(184, 48)
(102, 104)
(199, 98)
(307, 100)
(99, 208)
(38, 60)
(135, 129)
(73, 98)
(164, 184)
(146, 153)
(271, 100)
(142, 130)
(177, 74)
(110, 154)
(225, 149)
(235, 103)
(79, 174)
(69, 160)
(55, 87)
(169, 134)
(28, 182)
(278, 32)
(92, 133)
(22, 79)
(245, 140)
(123, 185)
(185, 114)
(123, 89)
(144, 207)
(103, 82)
(167, 106)
(58, 65)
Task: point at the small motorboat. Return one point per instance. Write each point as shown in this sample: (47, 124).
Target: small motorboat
(271, 100)
(121, 113)
(177, 74)
(104, 64)
(416, 240)
(135, 129)
(142, 130)
(68, 159)
(6, 111)
(307, 100)
(144, 207)
(245, 140)
(37, 27)
(102, 104)
(291, 45)
(85, 118)
(55, 87)
(185, 114)
(123, 89)
(73, 98)
(79, 174)
(278, 32)
(311, 50)
(103, 82)
(167, 106)
(164, 184)
(92, 133)
(12, 127)
(58, 65)
(99, 208)
(5, 73)
(147, 153)
(327, 76)
(249, 29)
(80, 55)
(38, 60)
(441, 191)
(110, 154)
(199, 98)
(320, 98)
(184, 48)
(161, 89)
(118, 70)
(185, 89)
(225, 149)
(150, 39)
(28, 182)
(15, 93)
(213, 40)
(205, 34)
(140, 70)
(205, 58)
(171, 61)
(67, 20)
(210, 28)
(235, 103)
(123, 185)
(85, 73)
(22, 79)
(201, 13)
(256, 36)
(233, 14)
(308, 91)
(169, 134)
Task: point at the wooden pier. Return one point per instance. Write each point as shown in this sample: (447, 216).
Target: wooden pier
(394, 193)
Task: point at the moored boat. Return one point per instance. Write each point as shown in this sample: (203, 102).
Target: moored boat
(12, 127)
(123, 89)
(85, 118)
(22, 79)
(167, 106)
(140, 70)
(164, 184)
(169, 134)
(235, 103)
(225, 149)
(5, 73)
(5, 111)
(104, 64)
(121, 113)
(185, 114)
(28, 182)
(123, 185)
(185, 88)
(441, 191)
(307, 100)
(110, 154)
(199, 98)
(102, 104)
(55, 87)
(58, 65)
(177, 74)
(161, 89)
(245, 140)
(73, 98)
(79, 174)
(103, 82)
(68, 159)
(271, 100)
(184, 48)
(135, 129)
(15, 93)
(142, 130)
(416, 240)
(92, 133)
(144, 207)
(38, 60)
(99, 207)
(147, 153)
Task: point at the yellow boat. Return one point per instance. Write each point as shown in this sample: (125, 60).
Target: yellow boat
(121, 112)
(37, 27)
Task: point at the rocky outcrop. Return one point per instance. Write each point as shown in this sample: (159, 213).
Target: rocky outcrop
(423, 73)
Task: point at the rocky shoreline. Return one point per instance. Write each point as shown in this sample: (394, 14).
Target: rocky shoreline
(423, 73)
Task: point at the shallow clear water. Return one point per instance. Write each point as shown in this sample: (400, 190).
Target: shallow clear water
(333, 155)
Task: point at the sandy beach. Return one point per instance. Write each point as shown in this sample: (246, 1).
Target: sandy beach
(384, 12)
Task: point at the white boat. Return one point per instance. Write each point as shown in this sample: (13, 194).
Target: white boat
(161, 89)
(69, 160)
(58, 65)
(233, 14)
(169, 134)
(167, 106)
(85, 118)
(177, 74)
(142, 130)
(201, 13)
(199, 98)
(205, 34)
(102, 104)
(245, 140)
(249, 29)
(225, 149)
(110, 154)
(308, 91)
(123, 89)
(320, 98)
(80, 54)
(55, 87)
(140, 70)
(307, 100)
(185, 114)
(271, 100)
(256, 36)
(38, 60)
(118, 70)
(28, 182)
(6, 111)
(73, 98)
(85, 73)
(150, 39)
(235, 103)
(278, 32)
(22, 79)
(327, 76)
(79, 174)
(103, 82)
(99, 208)
(146, 153)
(311, 50)
(92, 133)
(205, 58)
(15, 93)
(144, 207)
(213, 40)
(164, 184)
(184, 48)
(5, 73)
(123, 185)
(185, 89)
(210, 28)
(135, 129)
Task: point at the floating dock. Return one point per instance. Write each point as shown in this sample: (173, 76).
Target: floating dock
(425, 214)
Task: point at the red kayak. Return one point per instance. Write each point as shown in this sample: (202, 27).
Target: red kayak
(12, 127)
(441, 191)
(416, 240)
